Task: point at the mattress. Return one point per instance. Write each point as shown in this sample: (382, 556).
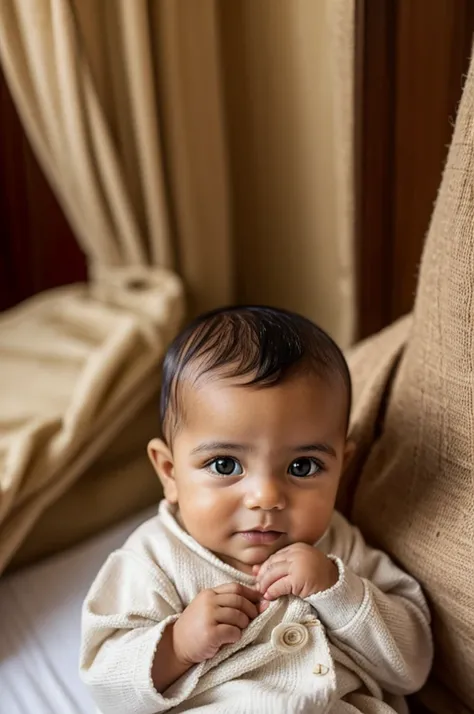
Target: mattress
(40, 609)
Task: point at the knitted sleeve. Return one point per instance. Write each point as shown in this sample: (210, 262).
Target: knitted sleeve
(124, 616)
(376, 613)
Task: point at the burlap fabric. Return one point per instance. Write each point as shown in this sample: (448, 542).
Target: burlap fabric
(415, 494)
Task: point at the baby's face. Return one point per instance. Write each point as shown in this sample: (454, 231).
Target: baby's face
(256, 469)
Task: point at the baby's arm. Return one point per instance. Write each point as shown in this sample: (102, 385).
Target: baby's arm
(376, 613)
(138, 641)
(167, 666)
(215, 617)
(126, 625)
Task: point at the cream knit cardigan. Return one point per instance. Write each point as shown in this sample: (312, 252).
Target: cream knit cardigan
(354, 648)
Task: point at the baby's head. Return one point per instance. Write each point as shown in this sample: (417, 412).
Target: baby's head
(255, 406)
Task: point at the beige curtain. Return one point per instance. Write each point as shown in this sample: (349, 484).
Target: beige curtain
(121, 102)
(192, 139)
(287, 68)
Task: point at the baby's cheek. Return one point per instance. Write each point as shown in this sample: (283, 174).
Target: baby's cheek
(312, 518)
(310, 530)
(205, 517)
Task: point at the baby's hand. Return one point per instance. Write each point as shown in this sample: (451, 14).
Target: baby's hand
(298, 569)
(214, 618)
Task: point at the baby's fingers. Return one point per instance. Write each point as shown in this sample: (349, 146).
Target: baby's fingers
(263, 605)
(273, 573)
(279, 588)
(270, 563)
(231, 616)
(227, 634)
(237, 589)
(239, 602)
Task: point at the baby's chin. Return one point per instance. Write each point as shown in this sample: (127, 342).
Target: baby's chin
(244, 563)
(248, 562)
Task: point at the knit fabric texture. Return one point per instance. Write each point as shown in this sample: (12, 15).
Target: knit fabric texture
(357, 647)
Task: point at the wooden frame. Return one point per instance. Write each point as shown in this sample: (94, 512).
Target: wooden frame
(410, 59)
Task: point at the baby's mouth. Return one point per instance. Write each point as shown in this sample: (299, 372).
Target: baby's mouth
(261, 537)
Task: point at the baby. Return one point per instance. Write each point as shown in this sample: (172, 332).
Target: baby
(247, 592)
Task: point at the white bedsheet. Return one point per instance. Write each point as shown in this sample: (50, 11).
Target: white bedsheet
(40, 628)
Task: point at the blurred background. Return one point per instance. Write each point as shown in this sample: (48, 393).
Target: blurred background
(162, 157)
(248, 103)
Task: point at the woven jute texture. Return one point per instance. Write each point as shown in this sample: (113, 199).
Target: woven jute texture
(415, 495)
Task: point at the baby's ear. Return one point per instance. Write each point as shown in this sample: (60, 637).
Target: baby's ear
(162, 460)
(349, 450)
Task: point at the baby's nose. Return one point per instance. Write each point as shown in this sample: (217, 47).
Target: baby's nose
(265, 493)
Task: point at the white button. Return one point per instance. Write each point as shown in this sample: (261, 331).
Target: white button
(320, 669)
(289, 637)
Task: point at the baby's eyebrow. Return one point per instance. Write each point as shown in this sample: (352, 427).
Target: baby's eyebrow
(323, 447)
(220, 446)
(231, 446)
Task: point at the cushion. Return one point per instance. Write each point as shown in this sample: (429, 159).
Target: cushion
(373, 364)
(76, 366)
(121, 482)
(415, 494)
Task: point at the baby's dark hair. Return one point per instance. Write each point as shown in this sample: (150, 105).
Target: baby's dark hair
(265, 344)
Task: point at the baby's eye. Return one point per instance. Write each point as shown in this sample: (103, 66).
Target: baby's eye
(225, 466)
(306, 466)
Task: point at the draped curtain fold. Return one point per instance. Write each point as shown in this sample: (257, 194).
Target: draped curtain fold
(181, 154)
(88, 79)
